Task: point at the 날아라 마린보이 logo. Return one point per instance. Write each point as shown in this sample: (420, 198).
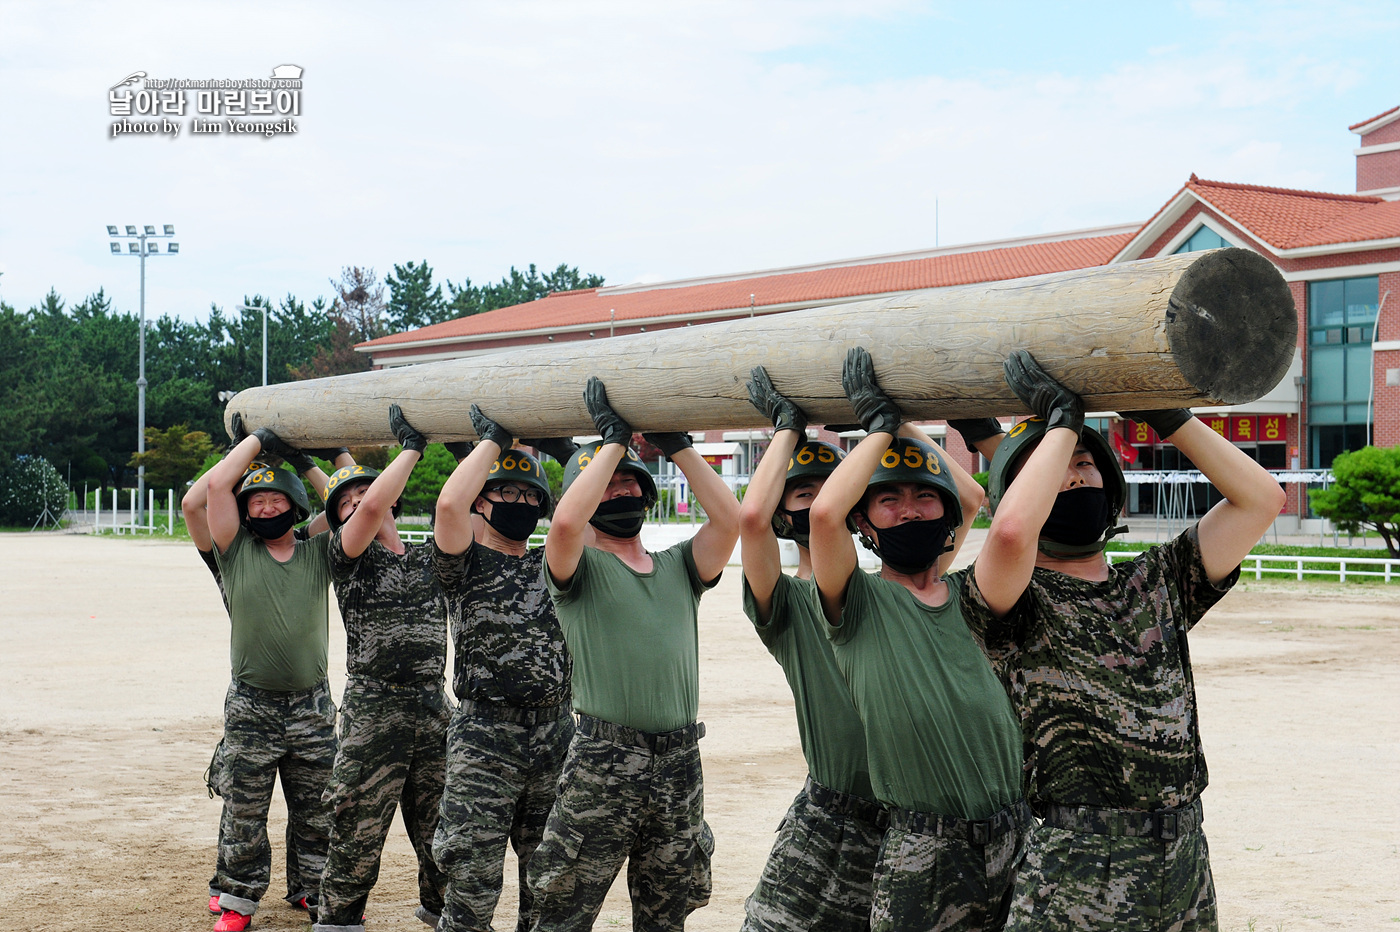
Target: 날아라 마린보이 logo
(147, 106)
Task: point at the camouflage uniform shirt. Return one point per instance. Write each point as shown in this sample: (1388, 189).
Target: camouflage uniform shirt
(393, 612)
(1100, 675)
(509, 646)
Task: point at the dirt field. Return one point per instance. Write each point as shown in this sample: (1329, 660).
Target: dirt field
(114, 662)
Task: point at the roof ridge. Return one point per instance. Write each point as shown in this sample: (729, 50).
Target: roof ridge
(556, 294)
(1295, 192)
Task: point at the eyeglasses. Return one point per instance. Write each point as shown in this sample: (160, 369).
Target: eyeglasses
(513, 493)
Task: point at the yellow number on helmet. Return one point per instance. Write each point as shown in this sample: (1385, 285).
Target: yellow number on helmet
(1016, 431)
(913, 457)
(584, 460)
(824, 455)
(495, 468)
(805, 455)
(508, 464)
(890, 460)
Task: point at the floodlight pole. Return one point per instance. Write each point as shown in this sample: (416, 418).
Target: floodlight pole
(263, 308)
(143, 249)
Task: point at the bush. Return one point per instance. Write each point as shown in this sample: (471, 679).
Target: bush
(30, 484)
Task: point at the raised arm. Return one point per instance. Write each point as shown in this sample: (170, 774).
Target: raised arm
(223, 503)
(1003, 568)
(713, 544)
(194, 507)
(359, 531)
(760, 554)
(568, 529)
(453, 525)
(1253, 498)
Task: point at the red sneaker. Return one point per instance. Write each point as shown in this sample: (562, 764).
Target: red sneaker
(231, 921)
(214, 906)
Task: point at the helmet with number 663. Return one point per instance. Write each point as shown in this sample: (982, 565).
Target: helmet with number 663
(630, 463)
(909, 460)
(812, 458)
(274, 479)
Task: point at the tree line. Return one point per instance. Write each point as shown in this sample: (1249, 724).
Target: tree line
(68, 371)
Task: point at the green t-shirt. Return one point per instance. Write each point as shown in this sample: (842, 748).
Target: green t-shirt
(833, 739)
(279, 612)
(939, 728)
(634, 638)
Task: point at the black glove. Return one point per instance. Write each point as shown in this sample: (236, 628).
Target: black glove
(1165, 421)
(561, 448)
(1047, 399)
(488, 429)
(875, 410)
(299, 460)
(330, 454)
(460, 449)
(405, 433)
(237, 431)
(773, 405)
(974, 429)
(669, 442)
(272, 444)
(613, 428)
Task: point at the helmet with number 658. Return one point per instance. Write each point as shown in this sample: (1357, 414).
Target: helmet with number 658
(812, 458)
(909, 460)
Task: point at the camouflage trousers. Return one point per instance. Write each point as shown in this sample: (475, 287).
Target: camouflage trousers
(625, 795)
(266, 735)
(943, 873)
(820, 874)
(502, 775)
(1086, 872)
(392, 754)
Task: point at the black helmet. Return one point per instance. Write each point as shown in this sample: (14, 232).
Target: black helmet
(909, 460)
(339, 485)
(811, 458)
(630, 463)
(519, 466)
(274, 479)
(1019, 442)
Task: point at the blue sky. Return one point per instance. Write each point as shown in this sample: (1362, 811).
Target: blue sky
(647, 141)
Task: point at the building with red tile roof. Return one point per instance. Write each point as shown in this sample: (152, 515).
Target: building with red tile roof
(1340, 254)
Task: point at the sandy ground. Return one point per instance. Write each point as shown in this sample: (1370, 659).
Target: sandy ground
(114, 661)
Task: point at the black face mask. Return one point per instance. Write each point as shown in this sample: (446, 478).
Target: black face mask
(1079, 517)
(274, 527)
(620, 517)
(801, 525)
(514, 520)
(913, 546)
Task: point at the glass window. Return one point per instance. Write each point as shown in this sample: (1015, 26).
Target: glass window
(1331, 439)
(1204, 238)
(1341, 324)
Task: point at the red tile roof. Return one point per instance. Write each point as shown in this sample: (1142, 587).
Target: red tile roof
(1289, 219)
(592, 306)
(1355, 126)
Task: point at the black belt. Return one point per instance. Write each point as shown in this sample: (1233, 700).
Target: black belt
(1015, 817)
(824, 797)
(591, 727)
(1163, 824)
(502, 712)
(284, 695)
(374, 682)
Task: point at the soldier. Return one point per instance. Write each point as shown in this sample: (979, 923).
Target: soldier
(511, 675)
(944, 746)
(1096, 660)
(193, 507)
(819, 874)
(279, 719)
(394, 710)
(631, 788)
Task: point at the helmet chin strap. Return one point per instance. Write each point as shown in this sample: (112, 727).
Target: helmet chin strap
(1053, 548)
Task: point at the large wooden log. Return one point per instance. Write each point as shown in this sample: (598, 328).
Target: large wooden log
(1215, 327)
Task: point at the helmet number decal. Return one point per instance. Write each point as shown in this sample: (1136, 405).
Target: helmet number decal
(1017, 430)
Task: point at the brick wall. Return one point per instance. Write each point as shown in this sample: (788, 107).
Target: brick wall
(1387, 133)
(1378, 170)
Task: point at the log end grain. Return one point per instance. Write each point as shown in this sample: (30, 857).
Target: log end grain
(1232, 325)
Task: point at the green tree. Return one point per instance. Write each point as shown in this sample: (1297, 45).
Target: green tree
(1365, 493)
(413, 299)
(173, 456)
(515, 288)
(28, 486)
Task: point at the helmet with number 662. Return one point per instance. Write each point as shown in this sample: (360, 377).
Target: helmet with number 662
(339, 485)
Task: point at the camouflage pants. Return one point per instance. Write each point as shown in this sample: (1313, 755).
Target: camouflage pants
(502, 776)
(628, 796)
(1092, 879)
(392, 753)
(941, 873)
(820, 874)
(266, 735)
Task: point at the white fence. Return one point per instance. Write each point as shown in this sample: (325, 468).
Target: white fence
(122, 519)
(1297, 567)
